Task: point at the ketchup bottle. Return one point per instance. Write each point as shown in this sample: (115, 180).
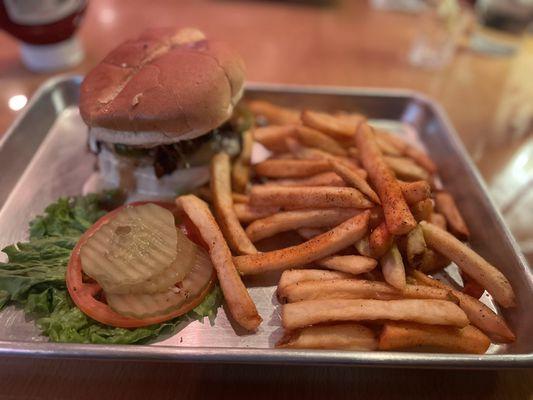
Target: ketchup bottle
(46, 30)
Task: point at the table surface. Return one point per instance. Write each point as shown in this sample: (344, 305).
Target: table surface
(343, 45)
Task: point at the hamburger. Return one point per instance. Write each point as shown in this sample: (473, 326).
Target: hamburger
(159, 106)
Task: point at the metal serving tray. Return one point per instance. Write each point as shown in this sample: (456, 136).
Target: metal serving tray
(44, 156)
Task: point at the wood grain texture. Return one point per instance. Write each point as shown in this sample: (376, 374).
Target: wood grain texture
(43, 379)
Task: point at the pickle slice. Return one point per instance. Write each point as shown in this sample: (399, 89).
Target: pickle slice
(150, 305)
(136, 245)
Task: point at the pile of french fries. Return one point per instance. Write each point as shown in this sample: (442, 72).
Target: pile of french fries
(372, 225)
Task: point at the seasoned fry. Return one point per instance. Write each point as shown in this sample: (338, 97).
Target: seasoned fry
(292, 220)
(275, 114)
(445, 204)
(421, 158)
(472, 263)
(309, 233)
(355, 180)
(359, 289)
(380, 240)
(319, 247)
(432, 261)
(422, 210)
(394, 140)
(363, 246)
(223, 204)
(247, 213)
(438, 219)
(323, 179)
(350, 118)
(333, 126)
(240, 198)
(403, 335)
(343, 336)
(352, 264)
(406, 169)
(273, 137)
(416, 191)
(393, 268)
(433, 312)
(313, 138)
(397, 215)
(386, 147)
(240, 173)
(239, 302)
(415, 247)
(282, 168)
(293, 276)
(309, 153)
(478, 313)
(308, 197)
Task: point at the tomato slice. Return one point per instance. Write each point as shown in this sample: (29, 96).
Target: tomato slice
(87, 295)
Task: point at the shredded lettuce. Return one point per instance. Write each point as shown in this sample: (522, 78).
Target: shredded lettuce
(34, 277)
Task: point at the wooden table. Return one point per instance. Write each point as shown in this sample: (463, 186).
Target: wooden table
(348, 44)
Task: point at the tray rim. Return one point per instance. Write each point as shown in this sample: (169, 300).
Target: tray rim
(278, 356)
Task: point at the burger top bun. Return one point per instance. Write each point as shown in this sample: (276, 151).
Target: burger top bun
(165, 86)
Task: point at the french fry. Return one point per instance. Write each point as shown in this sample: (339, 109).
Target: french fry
(386, 147)
(415, 247)
(282, 168)
(419, 156)
(397, 215)
(363, 246)
(438, 219)
(247, 213)
(470, 262)
(239, 302)
(293, 276)
(343, 336)
(406, 169)
(275, 114)
(309, 233)
(478, 313)
(359, 289)
(273, 137)
(432, 261)
(432, 312)
(392, 268)
(240, 173)
(350, 118)
(445, 204)
(240, 198)
(293, 220)
(223, 204)
(416, 191)
(401, 335)
(355, 180)
(422, 210)
(333, 126)
(313, 138)
(380, 240)
(309, 153)
(351, 264)
(323, 179)
(314, 249)
(308, 197)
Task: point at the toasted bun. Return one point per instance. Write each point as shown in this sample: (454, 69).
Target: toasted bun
(167, 85)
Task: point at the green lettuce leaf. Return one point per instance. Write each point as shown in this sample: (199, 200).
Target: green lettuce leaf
(34, 277)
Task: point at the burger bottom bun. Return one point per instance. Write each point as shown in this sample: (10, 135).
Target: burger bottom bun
(146, 185)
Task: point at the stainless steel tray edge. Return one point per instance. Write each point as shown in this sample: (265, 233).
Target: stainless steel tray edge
(261, 355)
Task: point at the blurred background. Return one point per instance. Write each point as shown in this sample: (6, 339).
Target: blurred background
(474, 57)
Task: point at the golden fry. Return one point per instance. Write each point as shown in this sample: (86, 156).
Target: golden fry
(406, 169)
(415, 247)
(333, 126)
(355, 180)
(445, 204)
(313, 138)
(308, 197)
(293, 276)
(343, 336)
(472, 263)
(282, 168)
(401, 335)
(392, 268)
(239, 302)
(223, 204)
(433, 312)
(352, 264)
(293, 220)
(275, 114)
(273, 137)
(319, 247)
(397, 215)
(422, 210)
